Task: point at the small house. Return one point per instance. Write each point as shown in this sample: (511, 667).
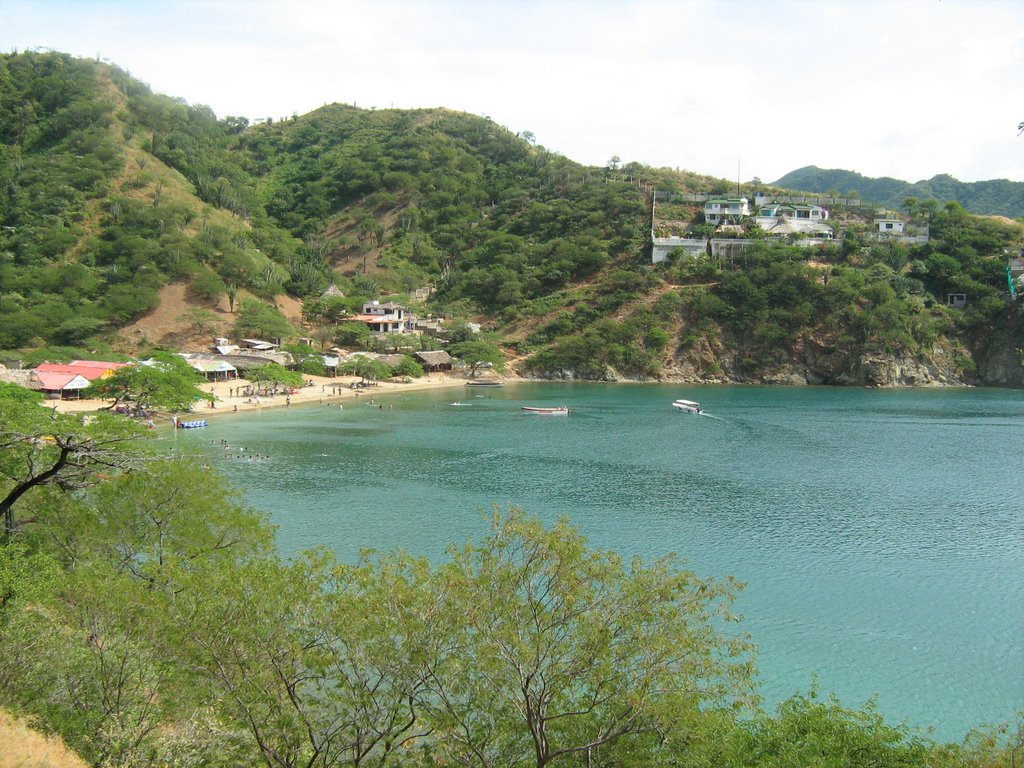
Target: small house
(214, 369)
(434, 361)
(90, 370)
(59, 386)
(888, 226)
(259, 345)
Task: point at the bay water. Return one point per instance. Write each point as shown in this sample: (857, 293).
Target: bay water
(880, 533)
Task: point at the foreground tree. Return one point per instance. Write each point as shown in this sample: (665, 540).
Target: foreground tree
(318, 663)
(564, 652)
(812, 730)
(40, 448)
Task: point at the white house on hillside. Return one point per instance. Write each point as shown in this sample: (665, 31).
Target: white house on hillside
(889, 226)
(790, 219)
(385, 318)
(726, 210)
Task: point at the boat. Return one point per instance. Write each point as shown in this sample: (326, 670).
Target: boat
(485, 383)
(687, 406)
(192, 424)
(560, 410)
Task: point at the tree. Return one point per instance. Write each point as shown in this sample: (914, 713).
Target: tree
(93, 649)
(353, 334)
(327, 309)
(396, 342)
(811, 730)
(259, 320)
(275, 375)
(169, 383)
(479, 354)
(41, 448)
(200, 318)
(306, 659)
(176, 517)
(564, 653)
(367, 368)
(408, 367)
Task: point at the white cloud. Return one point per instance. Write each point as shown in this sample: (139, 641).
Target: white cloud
(905, 88)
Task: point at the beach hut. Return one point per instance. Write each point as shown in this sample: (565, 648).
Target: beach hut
(91, 370)
(59, 386)
(435, 361)
(214, 370)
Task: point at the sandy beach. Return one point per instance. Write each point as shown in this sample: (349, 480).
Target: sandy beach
(230, 397)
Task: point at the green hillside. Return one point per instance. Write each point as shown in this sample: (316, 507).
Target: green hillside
(997, 197)
(109, 193)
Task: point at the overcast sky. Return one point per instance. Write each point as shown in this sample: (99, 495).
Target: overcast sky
(903, 88)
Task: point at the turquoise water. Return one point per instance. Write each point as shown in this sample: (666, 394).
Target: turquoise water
(880, 533)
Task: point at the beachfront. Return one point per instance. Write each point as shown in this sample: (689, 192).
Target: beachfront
(230, 397)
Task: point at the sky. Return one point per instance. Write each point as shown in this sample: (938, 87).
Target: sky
(729, 88)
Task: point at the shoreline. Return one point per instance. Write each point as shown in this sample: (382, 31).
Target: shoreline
(325, 389)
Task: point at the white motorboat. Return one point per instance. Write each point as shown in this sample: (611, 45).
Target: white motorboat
(687, 406)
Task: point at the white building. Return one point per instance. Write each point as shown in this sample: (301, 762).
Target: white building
(726, 210)
(385, 318)
(889, 226)
(794, 219)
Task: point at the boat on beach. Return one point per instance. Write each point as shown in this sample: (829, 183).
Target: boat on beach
(687, 406)
(560, 410)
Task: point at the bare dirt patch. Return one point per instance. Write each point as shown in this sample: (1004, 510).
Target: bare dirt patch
(173, 323)
(23, 747)
(186, 324)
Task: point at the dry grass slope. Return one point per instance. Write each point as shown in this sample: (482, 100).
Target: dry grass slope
(23, 747)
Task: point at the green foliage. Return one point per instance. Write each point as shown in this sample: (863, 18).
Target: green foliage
(276, 375)
(809, 731)
(408, 367)
(40, 448)
(479, 353)
(168, 384)
(261, 321)
(367, 368)
(631, 348)
(576, 645)
(18, 394)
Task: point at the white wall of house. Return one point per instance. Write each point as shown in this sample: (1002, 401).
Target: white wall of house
(889, 226)
(721, 209)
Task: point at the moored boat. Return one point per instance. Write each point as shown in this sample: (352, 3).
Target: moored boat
(560, 410)
(196, 424)
(485, 383)
(687, 406)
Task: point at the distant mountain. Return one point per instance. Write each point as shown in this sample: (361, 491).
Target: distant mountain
(995, 197)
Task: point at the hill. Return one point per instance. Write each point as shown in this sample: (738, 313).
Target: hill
(995, 197)
(132, 219)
